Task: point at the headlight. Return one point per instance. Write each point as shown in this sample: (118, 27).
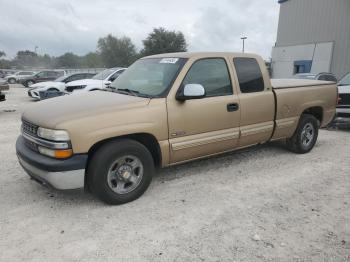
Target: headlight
(54, 135)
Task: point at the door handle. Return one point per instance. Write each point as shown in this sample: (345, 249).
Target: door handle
(232, 107)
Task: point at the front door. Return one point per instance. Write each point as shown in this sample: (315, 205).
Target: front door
(201, 127)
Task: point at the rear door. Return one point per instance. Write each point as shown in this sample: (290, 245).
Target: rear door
(201, 127)
(52, 75)
(257, 101)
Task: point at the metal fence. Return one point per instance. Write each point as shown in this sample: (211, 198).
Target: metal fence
(67, 70)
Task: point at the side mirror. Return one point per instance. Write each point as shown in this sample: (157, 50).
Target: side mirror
(191, 91)
(108, 83)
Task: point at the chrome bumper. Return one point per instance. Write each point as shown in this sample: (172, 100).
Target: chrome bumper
(59, 180)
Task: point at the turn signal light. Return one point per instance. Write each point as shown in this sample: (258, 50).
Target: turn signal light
(65, 153)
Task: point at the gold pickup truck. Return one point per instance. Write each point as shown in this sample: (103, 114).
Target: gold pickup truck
(165, 110)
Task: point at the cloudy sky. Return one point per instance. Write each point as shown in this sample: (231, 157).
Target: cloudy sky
(59, 26)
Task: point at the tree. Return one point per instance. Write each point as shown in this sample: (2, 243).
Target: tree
(68, 60)
(26, 58)
(91, 59)
(162, 41)
(3, 62)
(116, 51)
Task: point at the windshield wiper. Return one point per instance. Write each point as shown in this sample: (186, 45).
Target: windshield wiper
(128, 91)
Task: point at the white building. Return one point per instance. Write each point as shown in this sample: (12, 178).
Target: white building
(313, 36)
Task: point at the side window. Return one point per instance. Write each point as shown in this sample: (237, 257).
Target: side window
(115, 75)
(249, 75)
(212, 74)
(79, 76)
(52, 74)
(42, 74)
(327, 77)
(76, 77)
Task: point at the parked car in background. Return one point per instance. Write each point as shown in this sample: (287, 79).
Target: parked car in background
(319, 76)
(99, 81)
(42, 76)
(57, 85)
(2, 74)
(2, 97)
(12, 79)
(343, 107)
(165, 110)
(4, 85)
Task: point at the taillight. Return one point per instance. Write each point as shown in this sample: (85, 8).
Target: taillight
(338, 97)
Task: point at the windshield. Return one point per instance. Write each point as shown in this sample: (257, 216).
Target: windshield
(150, 77)
(104, 74)
(345, 81)
(61, 78)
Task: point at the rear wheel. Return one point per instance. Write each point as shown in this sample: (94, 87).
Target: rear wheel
(29, 83)
(305, 136)
(120, 171)
(12, 81)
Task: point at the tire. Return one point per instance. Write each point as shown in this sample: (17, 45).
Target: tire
(28, 83)
(110, 172)
(12, 81)
(305, 136)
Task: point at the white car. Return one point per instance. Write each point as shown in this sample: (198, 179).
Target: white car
(57, 85)
(99, 81)
(11, 79)
(343, 107)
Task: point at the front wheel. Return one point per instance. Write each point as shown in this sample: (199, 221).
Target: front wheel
(29, 83)
(305, 136)
(12, 81)
(120, 171)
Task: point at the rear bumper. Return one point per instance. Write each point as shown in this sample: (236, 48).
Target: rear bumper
(343, 111)
(59, 174)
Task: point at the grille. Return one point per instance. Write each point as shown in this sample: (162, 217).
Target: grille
(71, 88)
(345, 99)
(29, 128)
(31, 145)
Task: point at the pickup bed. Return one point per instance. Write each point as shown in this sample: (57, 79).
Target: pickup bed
(165, 110)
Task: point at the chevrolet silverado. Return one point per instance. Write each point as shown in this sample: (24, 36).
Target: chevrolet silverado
(164, 110)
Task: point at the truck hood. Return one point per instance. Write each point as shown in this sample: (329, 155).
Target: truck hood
(49, 113)
(94, 82)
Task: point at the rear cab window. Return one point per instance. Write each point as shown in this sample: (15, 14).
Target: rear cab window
(249, 75)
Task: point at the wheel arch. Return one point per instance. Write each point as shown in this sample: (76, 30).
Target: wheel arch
(146, 139)
(51, 88)
(316, 111)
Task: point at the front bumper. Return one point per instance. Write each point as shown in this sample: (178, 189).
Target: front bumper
(59, 174)
(34, 94)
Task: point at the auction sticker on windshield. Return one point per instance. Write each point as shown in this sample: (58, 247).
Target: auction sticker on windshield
(168, 60)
